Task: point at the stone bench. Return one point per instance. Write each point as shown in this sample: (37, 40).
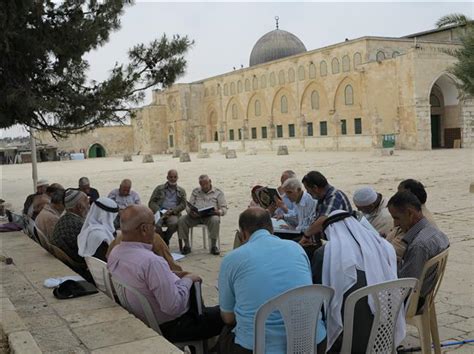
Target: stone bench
(34, 321)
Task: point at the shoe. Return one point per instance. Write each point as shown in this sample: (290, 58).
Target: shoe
(9, 215)
(186, 250)
(215, 251)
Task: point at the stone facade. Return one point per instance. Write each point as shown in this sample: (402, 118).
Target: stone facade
(341, 97)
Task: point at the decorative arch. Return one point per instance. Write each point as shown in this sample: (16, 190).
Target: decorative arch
(348, 95)
(323, 68)
(232, 88)
(281, 77)
(255, 83)
(239, 86)
(276, 101)
(346, 64)
(247, 85)
(335, 66)
(380, 55)
(291, 75)
(211, 125)
(251, 107)
(301, 73)
(263, 81)
(312, 71)
(338, 98)
(305, 103)
(233, 102)
(96, 150)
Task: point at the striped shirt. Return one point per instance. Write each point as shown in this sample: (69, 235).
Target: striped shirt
(334, 199)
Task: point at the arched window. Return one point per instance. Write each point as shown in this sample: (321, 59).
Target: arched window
(314, 100)
(258, 111)
(247, 85)
(380, 55)
(213, 91)
(263, 81)
(301, 73)
(434, 101)
(312, 71)
(239, 86)
(357, 59)
(395, 54)
(291, 75)
(335, 66)
(272, 79)
(226, 89)
(254, 83)
(232, 88)
(206, 92)
(234, 111)
(323, 68)
(346, 63)
(348, 95)
(284, 104)
(281, 77)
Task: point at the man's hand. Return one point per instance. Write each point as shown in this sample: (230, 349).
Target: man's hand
(217, 212)
(193, 277)
(279, 217)
(305, 242)
(168, 213)
(193, 214)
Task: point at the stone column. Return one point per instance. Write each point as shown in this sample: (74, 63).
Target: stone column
(423, 124)
(271, 131)
(302, 124)
(467, 118)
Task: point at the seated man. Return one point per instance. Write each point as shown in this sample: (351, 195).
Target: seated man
(262, 268)
(85, 186)
(423, 239)
(204, 196)
(354, 256)
(374, 207)
(329, 199)
(304, 203)
(285, 205)
(41, 187)
(124, 196)
(98, 230)
(134, 263)
(49, 215)
(395, 236)
(172, 198)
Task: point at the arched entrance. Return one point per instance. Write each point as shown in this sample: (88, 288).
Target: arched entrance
(212, 127)
(445, 114)
(96, 150)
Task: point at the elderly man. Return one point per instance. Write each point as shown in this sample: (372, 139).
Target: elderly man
(49, 215)
(262, 268)
(41, 187)
(329, 199)
(85, 186)
(285, 205)
(172, 198)
(374, 207)
(124, 196)
(203, 197)
(395, 236)
(423, 239)
(134, 263)
(304, 203)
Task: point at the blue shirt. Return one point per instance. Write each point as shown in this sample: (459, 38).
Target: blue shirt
(257, 271)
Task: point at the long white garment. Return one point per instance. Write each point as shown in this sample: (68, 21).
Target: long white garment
(98, 227)
(343, 256)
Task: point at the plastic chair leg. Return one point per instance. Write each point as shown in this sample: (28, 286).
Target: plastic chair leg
(204, 237)
(434, 330)
(423, 325)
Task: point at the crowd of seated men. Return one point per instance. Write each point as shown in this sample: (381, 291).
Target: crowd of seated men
(385, 239)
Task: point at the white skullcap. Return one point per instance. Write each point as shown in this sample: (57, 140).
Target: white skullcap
(42, 182)
(365, 196)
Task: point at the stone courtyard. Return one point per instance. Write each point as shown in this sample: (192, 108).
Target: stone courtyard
(446, 174)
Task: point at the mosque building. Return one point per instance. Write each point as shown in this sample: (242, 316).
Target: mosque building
(359, 94)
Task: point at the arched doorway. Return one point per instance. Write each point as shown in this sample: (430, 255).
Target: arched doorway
(445, 113)
(212, 127)
(96, 150)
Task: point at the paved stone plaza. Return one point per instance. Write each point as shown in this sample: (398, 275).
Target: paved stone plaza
(446, 174)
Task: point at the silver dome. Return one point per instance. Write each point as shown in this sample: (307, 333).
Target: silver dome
(275, 45)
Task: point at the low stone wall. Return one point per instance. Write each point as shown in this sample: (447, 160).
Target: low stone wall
(34, 321)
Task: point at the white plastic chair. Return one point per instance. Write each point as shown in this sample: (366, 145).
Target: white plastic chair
(101, 275)
(122, 289)
(388, 299)
(300, 309)
(205, 236)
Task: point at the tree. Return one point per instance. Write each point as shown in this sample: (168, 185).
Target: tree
(463, 69)
(43, 81)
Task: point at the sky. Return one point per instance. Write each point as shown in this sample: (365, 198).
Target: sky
(225, 32)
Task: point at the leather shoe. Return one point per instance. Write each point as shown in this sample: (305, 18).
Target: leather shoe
(186, 250)
(215, 250)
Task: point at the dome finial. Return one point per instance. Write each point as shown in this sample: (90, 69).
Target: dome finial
(276, 20)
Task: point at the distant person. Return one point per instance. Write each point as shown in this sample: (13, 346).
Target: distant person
(85, 186)
(41, 186)
(172, 198)
(134, 263)
(374, 207)
(50, 214)
(204, 196)
(124, 196)
(98, 230)
(304, 204)
(39, 202)
(263, 267)
(395, 236)
(423, 240)
(329, 199)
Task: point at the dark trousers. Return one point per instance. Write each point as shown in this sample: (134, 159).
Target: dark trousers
(192, 326)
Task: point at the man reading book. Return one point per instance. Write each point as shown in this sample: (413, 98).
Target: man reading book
(206, 206)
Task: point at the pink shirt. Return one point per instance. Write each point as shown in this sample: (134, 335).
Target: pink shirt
(135, 264)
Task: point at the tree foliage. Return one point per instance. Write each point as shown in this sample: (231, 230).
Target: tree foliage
(43, 76)
(463, 69)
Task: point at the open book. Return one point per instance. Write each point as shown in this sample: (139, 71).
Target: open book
(281, 227)
(266, 196)
(206, 211)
